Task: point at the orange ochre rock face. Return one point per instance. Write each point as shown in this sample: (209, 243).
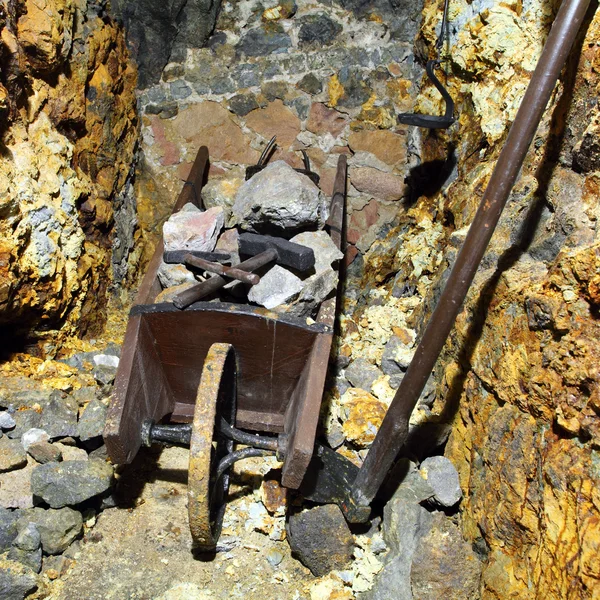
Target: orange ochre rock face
(67, 160)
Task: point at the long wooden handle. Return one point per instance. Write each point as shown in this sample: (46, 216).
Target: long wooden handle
(201, 290)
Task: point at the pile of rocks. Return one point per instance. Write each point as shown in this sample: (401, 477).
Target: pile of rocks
(54, 474)
(277, 201)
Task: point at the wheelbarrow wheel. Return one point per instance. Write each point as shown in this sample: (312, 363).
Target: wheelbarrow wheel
(207, 491)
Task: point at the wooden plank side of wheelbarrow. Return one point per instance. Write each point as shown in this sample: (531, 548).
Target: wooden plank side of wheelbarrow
(302, 414)
(141, 390)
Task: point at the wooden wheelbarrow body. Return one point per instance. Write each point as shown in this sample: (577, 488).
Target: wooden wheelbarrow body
(282, 360)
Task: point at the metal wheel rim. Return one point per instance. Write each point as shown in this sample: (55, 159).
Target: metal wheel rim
(216, 396)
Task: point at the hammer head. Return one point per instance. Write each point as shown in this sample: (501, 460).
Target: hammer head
(296, 256)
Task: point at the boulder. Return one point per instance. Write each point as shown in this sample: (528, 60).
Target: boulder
(70, 482)
(16, 580)
(277, 286)
(279, 201)
(321, 538)
(193, 229)
(8, 528)
(442, 477)
(12, 455)
(58, 528)
(91, 423)
(27, 548)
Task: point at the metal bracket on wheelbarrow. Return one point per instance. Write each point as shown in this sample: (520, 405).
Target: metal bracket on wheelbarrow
(266, 155)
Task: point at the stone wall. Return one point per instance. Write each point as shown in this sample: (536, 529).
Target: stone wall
(69, 133)
(324, 77)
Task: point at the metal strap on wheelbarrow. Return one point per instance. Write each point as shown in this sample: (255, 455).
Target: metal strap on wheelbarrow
(266, 155)
(432, 121)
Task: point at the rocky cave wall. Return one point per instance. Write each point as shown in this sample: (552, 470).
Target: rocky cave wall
(68, 138)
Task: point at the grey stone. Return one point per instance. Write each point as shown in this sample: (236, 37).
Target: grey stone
(260, 42)
(6, 421)
(70, 482)
(91, 423)
(356, 90)
(59, 416)
(274, 89)
(221, 193)
(314, 290)
(442, 477)
(301, 106)
(159, 31)
(165, 110)
(156, 94)
(396, 356)
(85, 394)
(26, 420)
(12, 455)
(99, 453)
(279, 200)
(180, 89)
(113, 349)
(277, 286)
(28, 538)
(246, 75)
(8, 528)
(242, 104)
(109, 360)
(444, 565)
(405, 522)
(170, 275)
(57, 528)
(34, 436)
(319, 30)
(44, 452)
(222, 85)
(104, 375)
(326, 252)
(193, 229)
(321, 539)
(362, 374)
(310, 84)
(79, 360)
(27, 548)
(16, 580)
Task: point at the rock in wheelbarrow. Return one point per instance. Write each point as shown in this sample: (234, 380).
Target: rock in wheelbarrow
(320, 539)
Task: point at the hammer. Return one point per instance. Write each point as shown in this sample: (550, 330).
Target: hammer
(264, 249)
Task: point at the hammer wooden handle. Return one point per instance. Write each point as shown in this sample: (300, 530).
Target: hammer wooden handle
(219, 269)
(201, 290)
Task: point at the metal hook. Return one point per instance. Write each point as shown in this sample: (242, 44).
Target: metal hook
(433, 121)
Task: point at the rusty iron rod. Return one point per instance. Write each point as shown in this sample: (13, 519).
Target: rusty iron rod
(201, 290)
(219, 269)
(394, 429)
